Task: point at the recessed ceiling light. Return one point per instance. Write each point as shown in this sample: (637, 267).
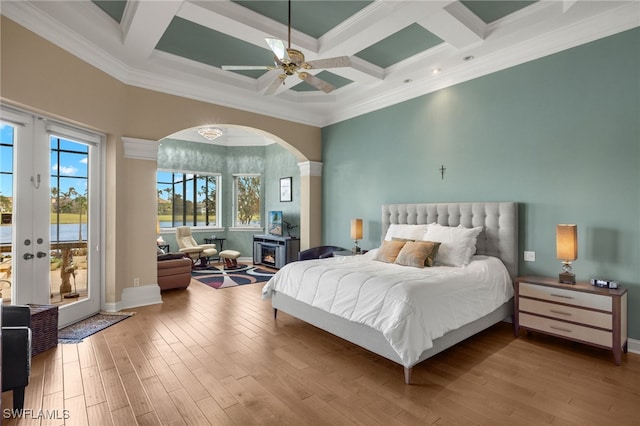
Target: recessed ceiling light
(436, 71)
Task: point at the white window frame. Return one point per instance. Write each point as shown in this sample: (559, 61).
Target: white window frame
(218, 177)
(236, 225)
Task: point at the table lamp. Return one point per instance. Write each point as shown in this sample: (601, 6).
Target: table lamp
(567, 250)
(356, 233)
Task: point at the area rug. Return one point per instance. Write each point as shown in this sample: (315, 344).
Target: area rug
(80, 330)
(224, 278)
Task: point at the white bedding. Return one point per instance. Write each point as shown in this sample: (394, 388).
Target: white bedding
(410, 306)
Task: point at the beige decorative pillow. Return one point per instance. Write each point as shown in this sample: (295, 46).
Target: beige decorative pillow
(389, 250)
(418, 254)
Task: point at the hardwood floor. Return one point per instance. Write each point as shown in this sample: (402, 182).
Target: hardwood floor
(218, 357)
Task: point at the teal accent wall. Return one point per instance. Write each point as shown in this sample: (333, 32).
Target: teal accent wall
(271, 162)
(279, 163)
(561, 135)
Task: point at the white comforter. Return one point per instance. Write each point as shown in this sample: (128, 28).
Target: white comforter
(410, 306)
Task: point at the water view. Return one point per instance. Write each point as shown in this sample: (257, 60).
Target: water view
(65, 232)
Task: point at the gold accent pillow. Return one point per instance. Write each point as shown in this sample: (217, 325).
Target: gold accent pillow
(418, 253)
(389, 250)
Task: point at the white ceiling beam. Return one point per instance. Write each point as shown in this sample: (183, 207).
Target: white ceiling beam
(456, 25)
(372, 24)
(143, 24)
(244, 24)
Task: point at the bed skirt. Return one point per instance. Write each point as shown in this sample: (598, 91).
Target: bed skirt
(373, 340)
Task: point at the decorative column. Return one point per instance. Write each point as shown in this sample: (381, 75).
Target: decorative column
(310, 204)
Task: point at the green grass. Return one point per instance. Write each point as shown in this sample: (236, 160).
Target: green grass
(68, 218)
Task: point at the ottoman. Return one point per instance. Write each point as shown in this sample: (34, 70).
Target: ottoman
(230, 258)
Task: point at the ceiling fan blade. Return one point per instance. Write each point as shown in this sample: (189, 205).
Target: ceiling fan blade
(316, 82)
(275, 84)
(337, 62)
(246, 67)
(278, 48)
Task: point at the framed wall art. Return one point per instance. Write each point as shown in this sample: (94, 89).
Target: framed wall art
(285, 189)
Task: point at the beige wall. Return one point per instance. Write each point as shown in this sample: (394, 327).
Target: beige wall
(40, 77)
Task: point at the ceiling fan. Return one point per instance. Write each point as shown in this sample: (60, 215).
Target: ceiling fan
(291, 61)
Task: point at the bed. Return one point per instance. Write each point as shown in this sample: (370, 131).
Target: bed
(359, 280)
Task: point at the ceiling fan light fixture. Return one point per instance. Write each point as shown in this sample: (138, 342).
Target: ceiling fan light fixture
(210, 133)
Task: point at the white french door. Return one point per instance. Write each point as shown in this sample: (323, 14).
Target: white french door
(52, 214)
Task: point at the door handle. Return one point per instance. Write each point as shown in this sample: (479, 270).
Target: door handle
(28, 256)
(41, 254)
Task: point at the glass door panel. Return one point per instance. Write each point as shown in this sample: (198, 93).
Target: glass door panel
(7, 136)
(69, 186)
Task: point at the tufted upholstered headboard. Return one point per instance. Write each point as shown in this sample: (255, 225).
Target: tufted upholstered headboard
(499, 237)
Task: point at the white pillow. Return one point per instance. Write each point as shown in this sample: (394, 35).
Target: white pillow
(407, 232)
(458, 244)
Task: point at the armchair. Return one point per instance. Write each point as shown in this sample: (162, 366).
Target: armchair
(16, 352)
(197, 252)
(319, 252)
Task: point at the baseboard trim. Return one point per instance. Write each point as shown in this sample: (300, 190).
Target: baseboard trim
(633, 346)
(133, 297)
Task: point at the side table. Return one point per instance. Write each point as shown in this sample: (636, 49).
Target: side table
(44, 328)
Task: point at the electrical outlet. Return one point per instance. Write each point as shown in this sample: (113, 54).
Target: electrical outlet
(136, 282)
(529, 256)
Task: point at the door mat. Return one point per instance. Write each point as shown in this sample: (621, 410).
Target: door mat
(80, 330)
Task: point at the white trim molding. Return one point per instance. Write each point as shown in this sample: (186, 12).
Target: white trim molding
(140, 149)
(633, 346)
(133, 297)
(310, 168)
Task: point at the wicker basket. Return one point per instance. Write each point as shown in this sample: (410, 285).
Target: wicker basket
(44, 328)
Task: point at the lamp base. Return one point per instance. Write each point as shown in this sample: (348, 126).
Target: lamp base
(567, 278)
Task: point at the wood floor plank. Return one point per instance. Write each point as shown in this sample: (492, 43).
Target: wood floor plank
(113, 389)
(159, 397)
(92, 386)
(99, 415)
(138, 399)
(77, 410)
(218, 357)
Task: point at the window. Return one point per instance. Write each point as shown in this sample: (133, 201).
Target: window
(247, 201)
(188, 199)
(69, 190)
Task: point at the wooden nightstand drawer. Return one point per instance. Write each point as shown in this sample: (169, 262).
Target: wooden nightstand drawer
(565, 329)
(560, 295)
(566, 313)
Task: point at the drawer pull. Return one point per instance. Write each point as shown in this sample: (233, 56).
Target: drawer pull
(560, 312)
(566, 330)
(561, 295)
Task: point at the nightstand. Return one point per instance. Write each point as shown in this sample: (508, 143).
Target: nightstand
(580, 312)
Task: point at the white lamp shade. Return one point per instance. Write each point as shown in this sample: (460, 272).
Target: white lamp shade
(567, 242)
(356, 229)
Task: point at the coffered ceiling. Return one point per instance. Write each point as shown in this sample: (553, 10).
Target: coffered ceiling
(398, 49)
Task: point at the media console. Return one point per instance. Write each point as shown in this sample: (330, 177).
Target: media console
(274, 251)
